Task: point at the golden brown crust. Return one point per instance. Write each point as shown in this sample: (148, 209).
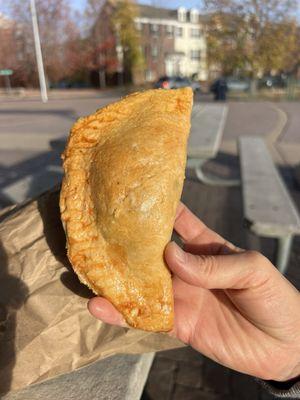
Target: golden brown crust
(124, 170)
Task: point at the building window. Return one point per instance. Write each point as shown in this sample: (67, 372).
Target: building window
(138, 25)
(181, 14)
(195, 32)
(179, 32)
(169, 30)
(154, 29)
(154, 51)
(195, 55)
(194, 16)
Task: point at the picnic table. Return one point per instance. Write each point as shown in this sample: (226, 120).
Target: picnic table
(268, 208)
(207, 126)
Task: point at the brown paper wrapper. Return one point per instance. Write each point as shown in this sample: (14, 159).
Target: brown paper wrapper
(45, 328)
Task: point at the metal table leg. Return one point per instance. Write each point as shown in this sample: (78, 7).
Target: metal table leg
(213, 180)
(283, 252)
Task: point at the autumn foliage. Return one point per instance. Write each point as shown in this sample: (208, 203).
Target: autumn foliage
(74, 45)
(252, 37)
(62, 46)
(248, 37)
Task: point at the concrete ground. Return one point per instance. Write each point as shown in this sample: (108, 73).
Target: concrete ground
(29, 163)
(31, 135)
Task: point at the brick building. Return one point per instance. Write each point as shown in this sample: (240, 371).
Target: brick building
(172, 42)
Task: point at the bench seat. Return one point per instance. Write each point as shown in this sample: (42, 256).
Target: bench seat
(268, 208)
(206, 131)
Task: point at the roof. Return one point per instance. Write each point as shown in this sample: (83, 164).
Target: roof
(156, 12)
(146, 11)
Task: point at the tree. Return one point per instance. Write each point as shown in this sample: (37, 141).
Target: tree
(113, 46)
(127, 35)
(7, 43)
(251, 36)
(58, 31)
(92, 11)
(60, 40)
(100, 42)
(226, 43)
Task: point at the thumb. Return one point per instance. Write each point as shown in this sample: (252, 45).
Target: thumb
(233, 271)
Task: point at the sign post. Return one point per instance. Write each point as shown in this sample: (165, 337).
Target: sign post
(6, 73)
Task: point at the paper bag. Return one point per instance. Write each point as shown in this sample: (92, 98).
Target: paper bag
(45, 328)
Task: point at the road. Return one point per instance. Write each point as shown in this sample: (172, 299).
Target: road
(30, 165)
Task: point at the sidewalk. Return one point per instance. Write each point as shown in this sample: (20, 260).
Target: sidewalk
(60, 94)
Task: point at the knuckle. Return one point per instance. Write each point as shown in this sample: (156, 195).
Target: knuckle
(208, 266)
(258, 258)
(254, 257)
(258, 265)
(256, 261)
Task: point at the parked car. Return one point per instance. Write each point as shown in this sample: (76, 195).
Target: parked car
(237, 84)
(277, 81)
(176, 82)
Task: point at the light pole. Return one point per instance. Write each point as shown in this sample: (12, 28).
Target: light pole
(38, 52)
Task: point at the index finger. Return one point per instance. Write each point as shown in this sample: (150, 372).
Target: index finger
(194, 232)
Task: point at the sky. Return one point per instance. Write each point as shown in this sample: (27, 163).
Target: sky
(79, 4)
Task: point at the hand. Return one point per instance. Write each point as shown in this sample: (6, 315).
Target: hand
(231, 305)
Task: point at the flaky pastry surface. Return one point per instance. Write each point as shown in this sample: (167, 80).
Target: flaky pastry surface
(124, 170)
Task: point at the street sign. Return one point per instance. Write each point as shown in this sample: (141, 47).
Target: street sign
(6, 72)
